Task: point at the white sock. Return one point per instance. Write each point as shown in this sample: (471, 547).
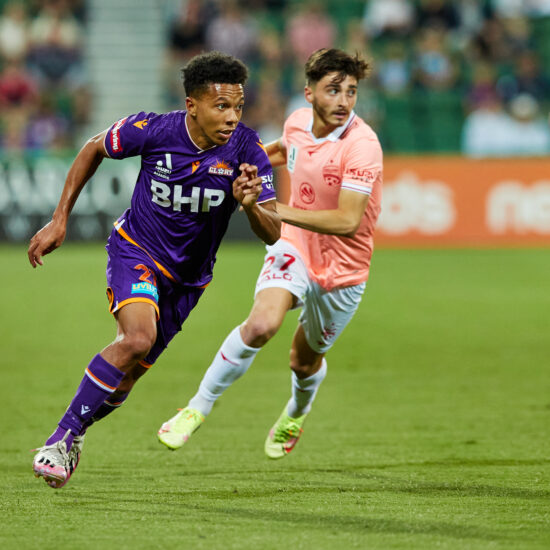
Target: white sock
(230, 363)
(304, 391)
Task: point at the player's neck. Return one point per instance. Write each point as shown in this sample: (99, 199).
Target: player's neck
(197, 135)
(321, 129)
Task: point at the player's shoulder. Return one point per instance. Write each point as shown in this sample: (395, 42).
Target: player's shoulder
(243, 137)
(360, 134)
(359, 129)
(299, 119)
(172, 120)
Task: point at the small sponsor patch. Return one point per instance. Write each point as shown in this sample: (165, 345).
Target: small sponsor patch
(145, 288)
(292, 157)
(221, 168)
(115, 136)
(267, 181)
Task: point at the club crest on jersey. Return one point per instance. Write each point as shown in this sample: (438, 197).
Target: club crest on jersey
(331, 174)
(115, 135)
(220, 168)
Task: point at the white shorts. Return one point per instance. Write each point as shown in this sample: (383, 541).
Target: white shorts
(325, 313)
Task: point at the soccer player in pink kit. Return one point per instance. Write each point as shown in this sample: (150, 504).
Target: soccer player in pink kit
(197, 167)
(321, 263)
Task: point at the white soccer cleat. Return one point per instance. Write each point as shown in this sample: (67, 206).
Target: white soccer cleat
(52, 463)
(176, 431)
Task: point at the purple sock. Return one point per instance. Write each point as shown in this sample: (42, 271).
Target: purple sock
(112, 403)
(100, 381)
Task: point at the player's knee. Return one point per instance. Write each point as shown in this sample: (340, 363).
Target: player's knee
(302, 369)
(138, 344)
(130, 378)
(258, 331)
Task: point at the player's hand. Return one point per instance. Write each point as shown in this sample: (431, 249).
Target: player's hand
(248, 186)
(50, 237)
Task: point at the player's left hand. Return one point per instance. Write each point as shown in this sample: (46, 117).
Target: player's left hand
(248, 186)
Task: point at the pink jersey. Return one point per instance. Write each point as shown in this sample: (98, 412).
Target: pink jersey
(349, 158)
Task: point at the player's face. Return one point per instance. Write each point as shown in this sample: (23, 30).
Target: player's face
(332, 99)
(214, 114)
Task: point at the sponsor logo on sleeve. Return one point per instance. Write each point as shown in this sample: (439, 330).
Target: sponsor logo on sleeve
(364, 175)
(115, 135)
(267, 181)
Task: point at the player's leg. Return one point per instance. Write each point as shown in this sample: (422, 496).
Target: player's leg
(282, 281)
(136, 333)
(309, 369)
(232, 360)
(324, 317)
(125, 331)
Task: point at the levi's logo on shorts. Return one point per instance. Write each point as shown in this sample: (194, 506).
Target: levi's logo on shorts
(145, 288)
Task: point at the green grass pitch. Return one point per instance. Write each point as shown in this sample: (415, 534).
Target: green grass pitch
(431, 430)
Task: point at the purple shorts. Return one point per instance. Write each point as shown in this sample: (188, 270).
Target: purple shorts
(133, 276)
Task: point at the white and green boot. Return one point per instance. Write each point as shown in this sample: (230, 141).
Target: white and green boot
(176, 431)
(284, 435)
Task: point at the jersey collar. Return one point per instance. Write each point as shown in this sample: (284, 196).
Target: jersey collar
(335, 134)
(199, 150)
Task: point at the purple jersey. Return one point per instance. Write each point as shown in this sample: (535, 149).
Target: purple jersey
(183, 197)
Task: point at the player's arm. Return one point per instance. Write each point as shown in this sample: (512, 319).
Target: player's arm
(276, 152)
(343, 221)
(52, 235)
(263, 218)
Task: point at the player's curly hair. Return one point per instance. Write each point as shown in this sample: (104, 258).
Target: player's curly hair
(212, 68)
(325, 60)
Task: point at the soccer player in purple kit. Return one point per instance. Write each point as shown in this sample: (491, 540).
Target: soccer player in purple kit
(197, 166)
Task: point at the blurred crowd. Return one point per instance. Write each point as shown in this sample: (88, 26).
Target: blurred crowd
(468, 71)
(43, 92)
(470, 75)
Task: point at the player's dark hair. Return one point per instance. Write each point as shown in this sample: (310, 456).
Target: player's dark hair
(325, 61)
(212, 68)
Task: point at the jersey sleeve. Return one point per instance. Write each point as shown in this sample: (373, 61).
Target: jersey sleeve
(363, 166)
(128, 136)
(257, 155)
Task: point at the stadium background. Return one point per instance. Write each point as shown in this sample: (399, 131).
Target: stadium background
(452, 83)
(432, 429)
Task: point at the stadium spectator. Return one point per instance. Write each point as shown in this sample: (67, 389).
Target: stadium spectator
(233, 31)
(14, 39)
(436, 13)
(490, 131)
(525, 78)
(388, 18)
(308, 29)
(55, 47)
(48, 129)
(434, 66)
(393, 72)
(321, 262)
(18, 95)
(159, 262)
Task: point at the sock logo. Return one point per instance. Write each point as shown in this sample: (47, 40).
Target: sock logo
(84, 409)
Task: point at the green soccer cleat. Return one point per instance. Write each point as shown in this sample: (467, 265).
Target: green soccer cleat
(284, 435)
(176, 431)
